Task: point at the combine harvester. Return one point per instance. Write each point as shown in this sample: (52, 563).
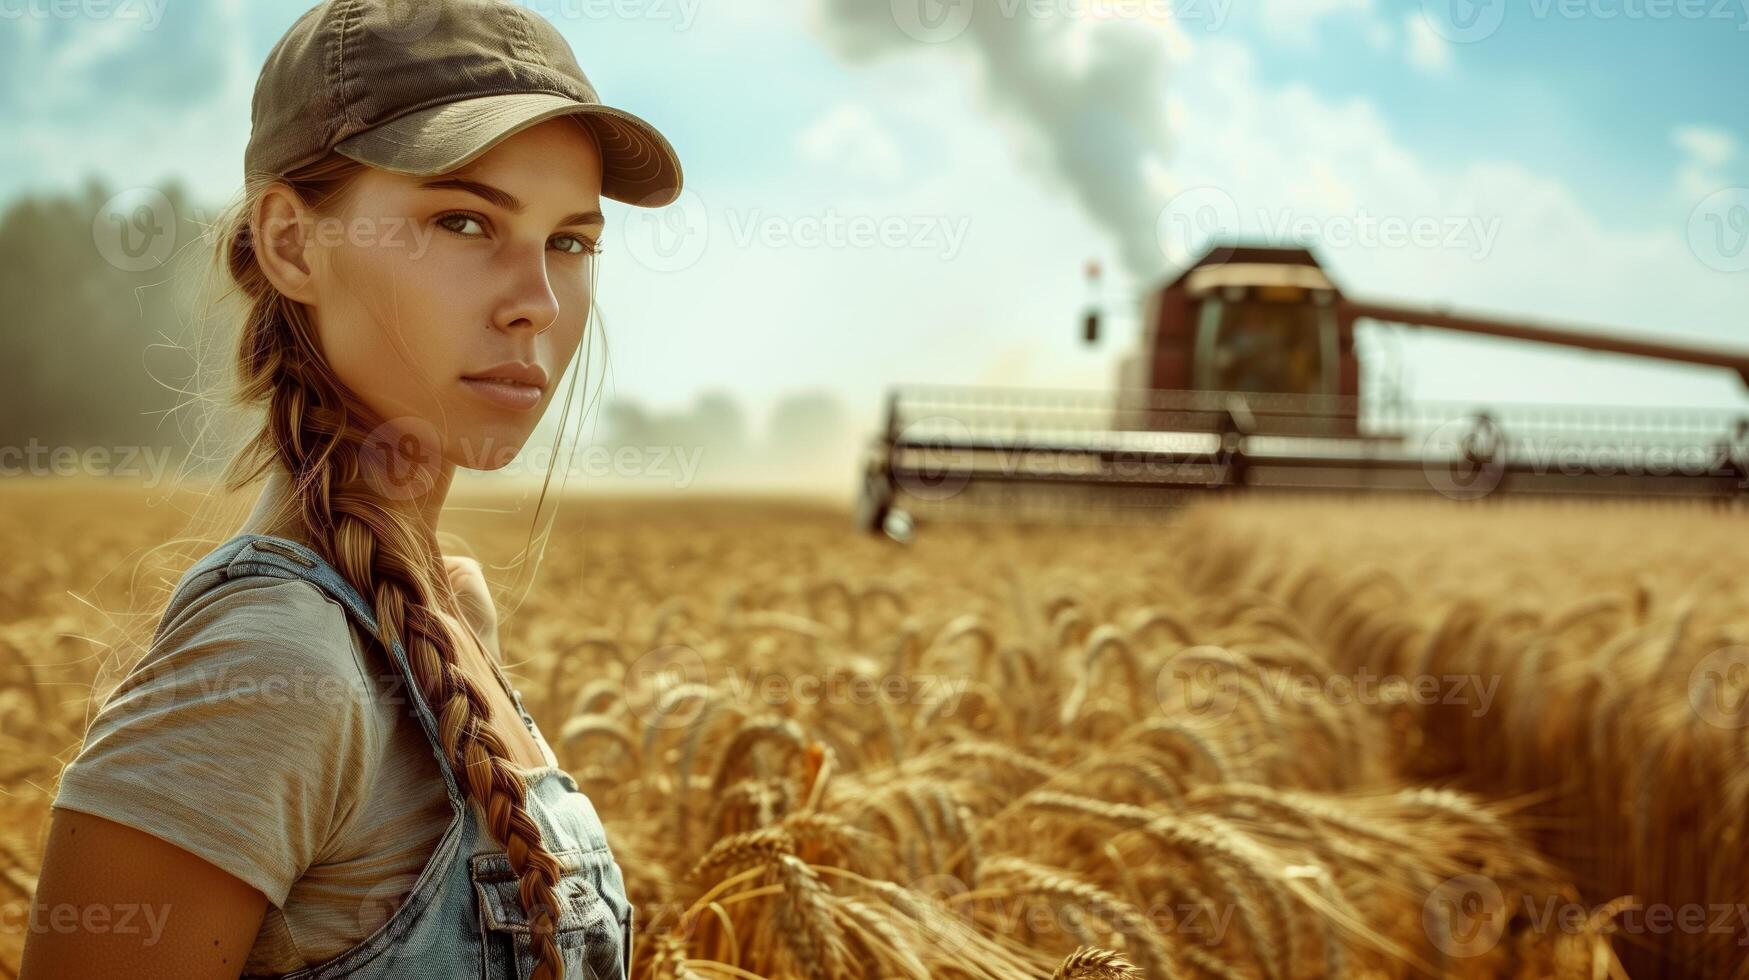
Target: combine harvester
(1247, 380)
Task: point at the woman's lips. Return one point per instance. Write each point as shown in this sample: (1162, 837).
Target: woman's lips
(509, 395)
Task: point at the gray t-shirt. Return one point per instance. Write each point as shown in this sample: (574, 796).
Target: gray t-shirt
(267, 733)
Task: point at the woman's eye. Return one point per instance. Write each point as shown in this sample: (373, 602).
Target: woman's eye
(573, 244)
(459, 223)
(467, 225)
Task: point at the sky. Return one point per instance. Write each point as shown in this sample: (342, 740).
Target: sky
(881, 193)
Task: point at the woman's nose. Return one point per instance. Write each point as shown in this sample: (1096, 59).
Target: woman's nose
(528, 301)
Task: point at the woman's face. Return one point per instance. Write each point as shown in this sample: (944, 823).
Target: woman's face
(426, 285)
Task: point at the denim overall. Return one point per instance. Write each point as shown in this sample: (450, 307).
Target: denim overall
(463, 917)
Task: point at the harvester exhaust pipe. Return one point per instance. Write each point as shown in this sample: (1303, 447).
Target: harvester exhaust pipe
(1090, 320)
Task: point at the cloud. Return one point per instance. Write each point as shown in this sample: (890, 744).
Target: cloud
(809, 443)
(849, 137)
(136, 99)
(1710, 147)
(1706, 150)
(1084, 98)
(1427, 51)
(1297, 22)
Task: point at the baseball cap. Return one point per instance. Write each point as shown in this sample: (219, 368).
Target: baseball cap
(423, 88)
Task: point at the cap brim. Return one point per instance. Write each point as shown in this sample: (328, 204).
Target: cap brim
(639, 167)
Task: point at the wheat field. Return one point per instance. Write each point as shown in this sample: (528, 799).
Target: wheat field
(1269, 739)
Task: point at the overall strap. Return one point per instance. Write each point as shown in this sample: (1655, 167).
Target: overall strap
(264, 554)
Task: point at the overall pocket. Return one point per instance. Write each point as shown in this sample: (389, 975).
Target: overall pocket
(593, 926)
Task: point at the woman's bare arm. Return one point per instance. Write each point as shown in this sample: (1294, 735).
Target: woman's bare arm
(113, 901)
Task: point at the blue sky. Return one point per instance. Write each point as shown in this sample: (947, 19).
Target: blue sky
(1587, 158)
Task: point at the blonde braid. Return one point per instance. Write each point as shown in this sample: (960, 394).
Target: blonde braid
(316, 432)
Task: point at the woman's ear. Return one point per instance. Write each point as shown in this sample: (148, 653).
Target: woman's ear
(282, 231)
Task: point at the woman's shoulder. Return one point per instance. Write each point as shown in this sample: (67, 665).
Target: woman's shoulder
(257, 616)
(254, 629)
(245, 734)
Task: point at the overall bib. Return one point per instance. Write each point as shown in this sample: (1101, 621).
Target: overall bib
(462, 917)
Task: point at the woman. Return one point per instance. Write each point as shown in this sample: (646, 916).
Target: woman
(318, 768)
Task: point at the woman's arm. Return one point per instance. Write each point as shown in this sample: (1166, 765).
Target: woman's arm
(113, 901)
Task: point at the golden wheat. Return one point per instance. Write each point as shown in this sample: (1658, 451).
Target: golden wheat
(1064, 752)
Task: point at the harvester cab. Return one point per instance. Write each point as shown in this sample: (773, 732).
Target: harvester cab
(1246, 378)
